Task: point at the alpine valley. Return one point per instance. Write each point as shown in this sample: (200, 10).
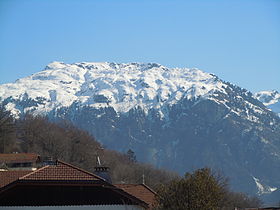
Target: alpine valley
(176, 118)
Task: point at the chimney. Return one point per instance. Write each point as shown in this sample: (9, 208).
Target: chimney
(102, 171)
(47, 160)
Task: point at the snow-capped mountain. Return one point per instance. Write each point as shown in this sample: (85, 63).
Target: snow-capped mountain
(177, 118)
(121, 86)
(271, 99)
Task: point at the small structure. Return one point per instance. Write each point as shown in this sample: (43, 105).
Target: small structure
(102, 171)
(140, 191)
(63, 186)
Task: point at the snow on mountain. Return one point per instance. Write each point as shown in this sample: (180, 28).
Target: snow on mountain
(263, 189)
(121, 86)
(271, 99)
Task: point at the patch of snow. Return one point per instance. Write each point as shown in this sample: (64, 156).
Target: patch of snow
(264, 140)
(12, 108)
(263, 189)
(271, 99)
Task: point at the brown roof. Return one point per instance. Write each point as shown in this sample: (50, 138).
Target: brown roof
(6, 177)
(18, 157)
(64, 172)
(60, 171)
(140, 191)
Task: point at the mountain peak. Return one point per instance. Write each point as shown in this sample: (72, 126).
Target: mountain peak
(271, 99)
(268, 97)
(55, 65)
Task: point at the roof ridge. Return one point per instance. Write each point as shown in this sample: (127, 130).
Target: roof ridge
(141, 184)
(33, 172)
(148, 188)
(122, 191)
(126, 184)
(82, 170)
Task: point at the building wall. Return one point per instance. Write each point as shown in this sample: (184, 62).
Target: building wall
(95, 207)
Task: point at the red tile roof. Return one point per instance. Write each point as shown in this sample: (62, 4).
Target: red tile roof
(18, 157)
(60, 171)
(6, 177)
(140, 191)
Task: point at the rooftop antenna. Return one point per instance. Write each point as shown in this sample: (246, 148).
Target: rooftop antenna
(98, 162)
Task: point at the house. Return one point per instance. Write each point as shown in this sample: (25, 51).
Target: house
(60, 185)
(19, 161)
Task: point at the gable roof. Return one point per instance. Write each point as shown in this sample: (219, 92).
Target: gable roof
(140, 191)
(59, 174)
(60, 171)
(18, 157)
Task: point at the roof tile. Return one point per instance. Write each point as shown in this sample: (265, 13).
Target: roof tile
(6, 177)
(140, 191)
(60, 171)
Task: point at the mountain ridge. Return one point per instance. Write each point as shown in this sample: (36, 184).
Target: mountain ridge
(95, 80)
(137, 84)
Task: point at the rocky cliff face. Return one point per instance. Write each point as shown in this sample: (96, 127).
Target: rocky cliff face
(180, 119)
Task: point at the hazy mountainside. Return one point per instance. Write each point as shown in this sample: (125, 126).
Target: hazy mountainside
(271, 99)
(181, 119)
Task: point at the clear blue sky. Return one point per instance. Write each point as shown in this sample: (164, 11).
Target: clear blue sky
(238, 40)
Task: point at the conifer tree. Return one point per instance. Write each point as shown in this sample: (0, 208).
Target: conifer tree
(131, 155)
